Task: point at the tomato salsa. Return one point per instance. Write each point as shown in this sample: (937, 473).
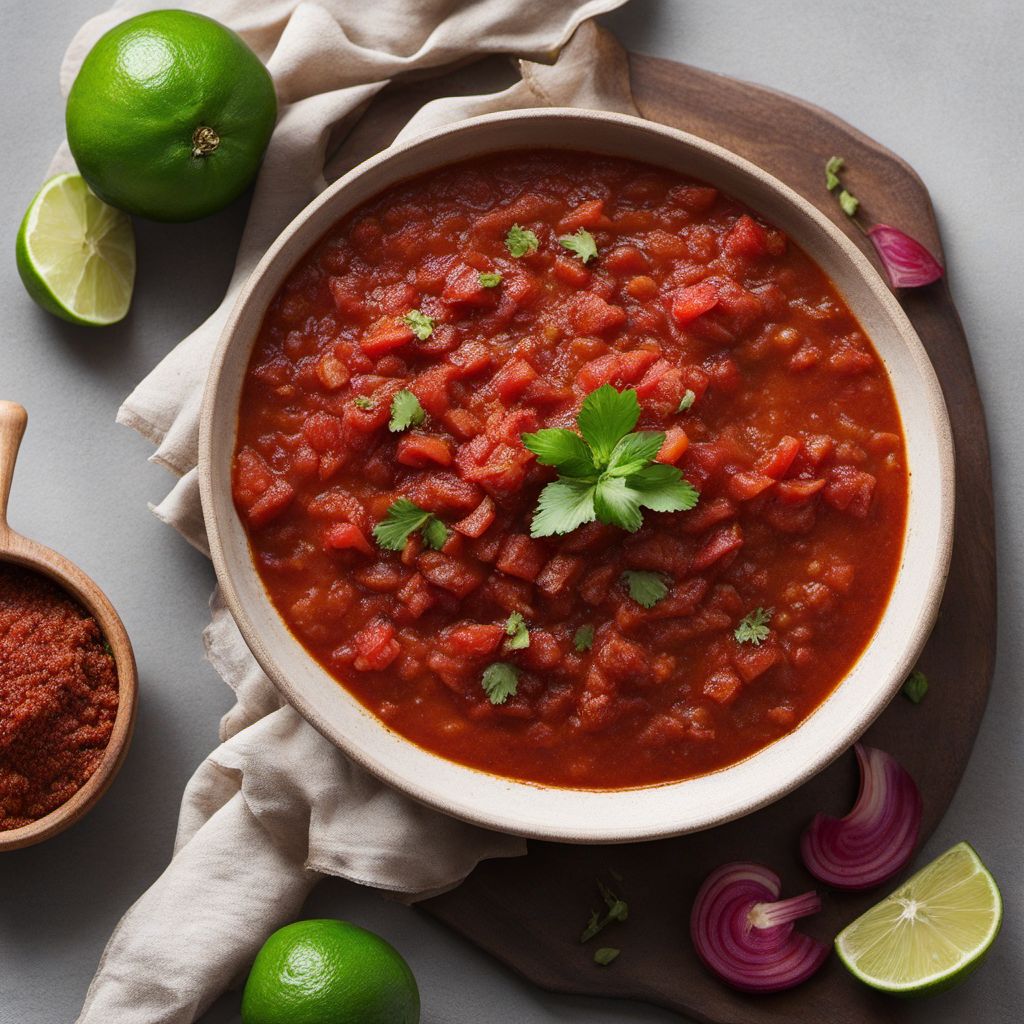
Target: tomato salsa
(403, 361)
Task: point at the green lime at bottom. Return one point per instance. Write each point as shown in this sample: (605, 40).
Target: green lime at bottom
(931, 932)
(329, 972)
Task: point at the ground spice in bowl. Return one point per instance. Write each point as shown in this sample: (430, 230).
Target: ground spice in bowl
(58, 696)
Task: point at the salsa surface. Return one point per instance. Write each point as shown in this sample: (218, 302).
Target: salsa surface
(793, 439)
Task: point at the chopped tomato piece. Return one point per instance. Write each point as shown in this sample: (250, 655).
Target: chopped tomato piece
(477, 522)
(694, 301)
(375, 646)
(420, 450)
(522, 556)
(746, 238)
(340, 536)
(590, 314)
(386, 334)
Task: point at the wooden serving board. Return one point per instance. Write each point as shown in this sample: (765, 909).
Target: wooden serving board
(529, 912)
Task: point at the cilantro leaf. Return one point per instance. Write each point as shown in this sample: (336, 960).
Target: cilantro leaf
(363, 402)
(605, 955)
(563, 505)
(555, 446)
(406, 412)
(753, 628)
(848, 202)
(832, 169)
(583, 639)
(686, 401)
(419, 323)
(663, 489)
(500, 681)
(518, 634)
(646, 588)
(606, 416)
(581, 244)
(633, 452)
(618, 910)
(489, 279)
(403, 519)
(520, 241)
(616, 502)
(916, 686)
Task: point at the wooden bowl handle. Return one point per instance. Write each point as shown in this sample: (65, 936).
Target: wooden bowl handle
(13, 420)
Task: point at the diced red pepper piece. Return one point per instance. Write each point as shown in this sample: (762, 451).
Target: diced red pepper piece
(342, 536)
(375, 646)
(694, 301)
(746, 486)
(745, 238)
(674, 447)
(589, 214)
(421, 450)
(722, 542)
(522, 556)
(477, 522)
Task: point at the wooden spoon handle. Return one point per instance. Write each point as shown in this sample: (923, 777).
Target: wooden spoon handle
(13, 419)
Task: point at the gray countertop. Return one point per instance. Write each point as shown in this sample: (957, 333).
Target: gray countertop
(939, 81)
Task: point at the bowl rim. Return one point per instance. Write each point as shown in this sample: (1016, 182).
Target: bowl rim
(556, 827)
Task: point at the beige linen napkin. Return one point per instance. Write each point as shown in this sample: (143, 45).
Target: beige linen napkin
(277, 806)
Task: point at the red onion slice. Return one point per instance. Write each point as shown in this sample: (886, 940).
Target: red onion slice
(744, 933)
(908, 264)
(877, 838)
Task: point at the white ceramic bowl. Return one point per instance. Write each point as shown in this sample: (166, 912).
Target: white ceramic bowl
(590, 815)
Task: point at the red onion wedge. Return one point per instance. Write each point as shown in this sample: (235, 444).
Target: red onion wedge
(908, 264)
(744, 933)
(876, 839)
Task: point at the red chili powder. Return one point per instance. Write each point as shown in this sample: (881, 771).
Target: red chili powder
(58, 696)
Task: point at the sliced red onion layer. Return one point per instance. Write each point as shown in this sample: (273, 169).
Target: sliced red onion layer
(744, 933)
(877, 838)
(908, 264)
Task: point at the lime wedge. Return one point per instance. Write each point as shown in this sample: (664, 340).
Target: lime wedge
(931, 932)
(76, 254)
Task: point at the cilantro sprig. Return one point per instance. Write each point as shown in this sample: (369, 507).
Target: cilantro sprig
(489, 278)
(580, 244)
(363, 402)
(754, 628)
(617, 910)
(517, 632)
(406, 412)
(583, 638)
(500, 681)
(419, 323)
(403, 519)
(646, 588)
(686, 401)
(605, 472)
(521, 241)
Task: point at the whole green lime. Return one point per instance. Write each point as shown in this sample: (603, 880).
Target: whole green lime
(170, 115)
(329, 972)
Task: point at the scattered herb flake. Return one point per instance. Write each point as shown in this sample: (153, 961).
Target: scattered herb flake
(107, 648)
(518, 634)
(583, 639)
(646, 588)
(916, 686)
(489, 279)
(520, 241)
(753, 628)
(848, 202)
(605, 955)
(363, 402)
(406, 412)
(500, 681)
(403, 519)
(419, 323)
(609, 472)
(618, 910)
(832, 169)
(686, 401)
(580, 244)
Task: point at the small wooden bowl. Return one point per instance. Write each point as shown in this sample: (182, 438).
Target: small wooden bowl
(18, 550)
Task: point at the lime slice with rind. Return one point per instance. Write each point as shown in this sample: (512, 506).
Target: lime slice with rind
(931, 932)
(76, 254)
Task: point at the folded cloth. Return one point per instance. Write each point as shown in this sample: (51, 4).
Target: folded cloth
(277, 806)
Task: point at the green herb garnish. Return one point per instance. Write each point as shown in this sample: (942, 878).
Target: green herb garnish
(605, 955)
(363, 402)
(618, 910)
(607, 474)
(489, 279)
(832, 169)
(646, 588)
(419, 323)
(520, 241)
(583, 639)
(518, 634)
(581, 244)
(500, 681)
(686, 401)
(848, 202)
(753, 628)
(406, 412)
(403, 519)
(916, 686)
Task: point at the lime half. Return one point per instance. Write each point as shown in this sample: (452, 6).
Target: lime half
(76, 255)
(931, 932)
